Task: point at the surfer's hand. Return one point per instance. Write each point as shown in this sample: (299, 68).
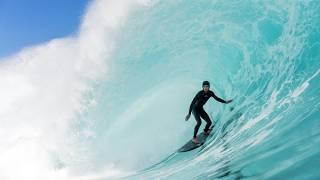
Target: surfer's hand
(187, 117)
(229, 101)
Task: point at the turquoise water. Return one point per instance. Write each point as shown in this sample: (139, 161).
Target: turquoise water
(263, 54)
(110, 101)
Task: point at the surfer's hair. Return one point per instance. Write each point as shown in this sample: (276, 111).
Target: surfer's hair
(205, 83)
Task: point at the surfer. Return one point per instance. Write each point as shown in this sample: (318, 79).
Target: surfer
(197, 110)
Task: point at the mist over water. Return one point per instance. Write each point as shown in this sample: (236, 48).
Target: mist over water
(111, 102)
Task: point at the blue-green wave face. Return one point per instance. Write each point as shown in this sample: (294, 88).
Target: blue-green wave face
(265, 55)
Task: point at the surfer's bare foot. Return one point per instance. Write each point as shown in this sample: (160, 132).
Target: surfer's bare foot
(195, 140)
(207, 132)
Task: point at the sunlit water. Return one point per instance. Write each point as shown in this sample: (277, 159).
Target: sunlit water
(265, 55)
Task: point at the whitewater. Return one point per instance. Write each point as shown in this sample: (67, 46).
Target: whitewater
(109, 101)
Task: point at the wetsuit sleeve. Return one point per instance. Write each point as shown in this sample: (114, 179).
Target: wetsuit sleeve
(217, 98)
(193, 101)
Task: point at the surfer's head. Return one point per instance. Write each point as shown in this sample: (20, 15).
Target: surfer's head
(205, 85)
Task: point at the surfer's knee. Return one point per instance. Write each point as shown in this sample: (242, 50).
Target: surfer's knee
(198, 123)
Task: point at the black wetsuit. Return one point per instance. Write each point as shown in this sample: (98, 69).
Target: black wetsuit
(197, 109)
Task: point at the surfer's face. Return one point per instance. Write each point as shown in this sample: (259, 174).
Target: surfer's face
(205, 88)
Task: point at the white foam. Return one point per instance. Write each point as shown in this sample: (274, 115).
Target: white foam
(41, 93)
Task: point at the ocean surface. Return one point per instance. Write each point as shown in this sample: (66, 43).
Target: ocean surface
(116, 109)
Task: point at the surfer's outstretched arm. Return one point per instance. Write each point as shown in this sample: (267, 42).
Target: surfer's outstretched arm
(192, 103)
(219, 99)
